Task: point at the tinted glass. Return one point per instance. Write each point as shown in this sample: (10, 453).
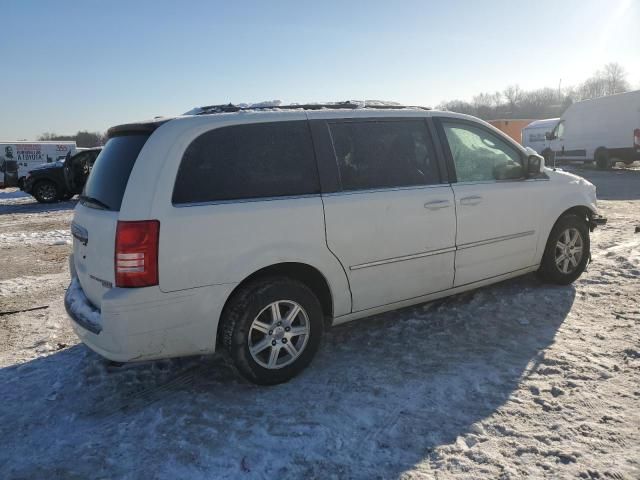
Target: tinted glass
(379, 154)
(248, 161)
(479, 155)
(111, 170)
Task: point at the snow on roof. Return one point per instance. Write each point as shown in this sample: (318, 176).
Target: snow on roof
(277, 104)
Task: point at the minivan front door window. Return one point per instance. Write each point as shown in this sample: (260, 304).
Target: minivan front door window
(479, 155)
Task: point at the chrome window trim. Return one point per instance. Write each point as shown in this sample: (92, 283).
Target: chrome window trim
(246, 200)
(491, 182)
(385, 189)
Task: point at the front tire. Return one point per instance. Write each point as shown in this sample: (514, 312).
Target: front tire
(567, 252)
(272, 329)
(46, 191)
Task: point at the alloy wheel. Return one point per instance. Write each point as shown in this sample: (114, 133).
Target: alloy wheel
(278, 334)
(569, 250)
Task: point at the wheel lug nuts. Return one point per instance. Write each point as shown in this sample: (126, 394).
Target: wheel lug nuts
(273, 343)
(279, 323)
(270, 332)
(284, 340)
(287, 329)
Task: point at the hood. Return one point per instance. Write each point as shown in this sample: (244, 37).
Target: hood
(567, 177)
(45, 166)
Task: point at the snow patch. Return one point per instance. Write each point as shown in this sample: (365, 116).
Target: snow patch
(51, 237)
(13, 193)
(79, 305)
(32, 284)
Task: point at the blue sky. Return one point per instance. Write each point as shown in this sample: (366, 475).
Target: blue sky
(70, 65)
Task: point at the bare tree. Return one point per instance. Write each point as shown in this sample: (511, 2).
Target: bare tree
(513, 94)
(616, 78)
(608, 81)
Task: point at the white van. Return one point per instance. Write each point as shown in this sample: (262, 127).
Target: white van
(605, 130)
(534, 135)
(256, 229)
(28, 155)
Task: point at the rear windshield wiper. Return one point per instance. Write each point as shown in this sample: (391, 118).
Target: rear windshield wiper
(94, 202)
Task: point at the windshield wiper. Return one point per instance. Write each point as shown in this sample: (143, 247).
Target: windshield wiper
(94, 201)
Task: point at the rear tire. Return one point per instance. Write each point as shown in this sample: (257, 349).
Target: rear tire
(45, 191)
(602, 159)
(567, 252)
(268, 341)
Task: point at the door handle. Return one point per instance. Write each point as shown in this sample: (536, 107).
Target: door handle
(472, 200)
(436, 204)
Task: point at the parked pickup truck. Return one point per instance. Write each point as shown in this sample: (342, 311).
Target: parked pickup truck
(60, 180)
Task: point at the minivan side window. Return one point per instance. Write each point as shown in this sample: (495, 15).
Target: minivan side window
(479, 155)
(248, 161)
(383, 153)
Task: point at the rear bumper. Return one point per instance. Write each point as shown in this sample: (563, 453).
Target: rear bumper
(137, 324)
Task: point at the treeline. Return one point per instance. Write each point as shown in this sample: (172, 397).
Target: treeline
(83, 138)
(513, 102)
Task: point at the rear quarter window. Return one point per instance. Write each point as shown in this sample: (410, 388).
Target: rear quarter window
(111, 170)
(248, 161)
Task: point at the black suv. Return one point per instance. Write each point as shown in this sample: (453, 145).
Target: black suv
(61, 180)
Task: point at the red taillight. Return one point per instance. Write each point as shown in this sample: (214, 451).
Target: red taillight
(136, 259)
(636, 138)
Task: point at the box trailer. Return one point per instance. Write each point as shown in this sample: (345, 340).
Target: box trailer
(17, 158)
(605, 130)
(512, 126)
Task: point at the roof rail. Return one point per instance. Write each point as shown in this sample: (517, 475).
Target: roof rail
(349, 105)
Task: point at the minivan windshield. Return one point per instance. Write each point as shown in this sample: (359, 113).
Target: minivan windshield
(110, 173)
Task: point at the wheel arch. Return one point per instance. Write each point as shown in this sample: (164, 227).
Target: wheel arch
(308, 275)
(581, 210)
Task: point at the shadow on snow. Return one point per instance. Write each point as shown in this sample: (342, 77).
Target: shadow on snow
(381, 394)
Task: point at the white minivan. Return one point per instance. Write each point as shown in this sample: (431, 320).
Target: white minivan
(257, 229)
(605, 130)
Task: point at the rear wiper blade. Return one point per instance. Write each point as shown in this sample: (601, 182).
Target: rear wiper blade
(94, 201)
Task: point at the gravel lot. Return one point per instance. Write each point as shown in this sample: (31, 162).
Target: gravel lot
(513, 380)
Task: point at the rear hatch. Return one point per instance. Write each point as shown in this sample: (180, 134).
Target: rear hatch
(96, 216)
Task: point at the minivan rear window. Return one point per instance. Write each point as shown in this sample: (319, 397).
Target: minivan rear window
(110, 173)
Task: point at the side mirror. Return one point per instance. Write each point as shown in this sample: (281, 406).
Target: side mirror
(549, 135)
(535, 165)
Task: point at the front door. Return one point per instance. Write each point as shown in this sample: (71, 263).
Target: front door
(497, 208)
(392, 222)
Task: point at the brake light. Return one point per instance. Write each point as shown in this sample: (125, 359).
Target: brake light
(636, 138)
(136, 258)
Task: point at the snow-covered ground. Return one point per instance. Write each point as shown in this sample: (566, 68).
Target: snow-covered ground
(516, 380)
